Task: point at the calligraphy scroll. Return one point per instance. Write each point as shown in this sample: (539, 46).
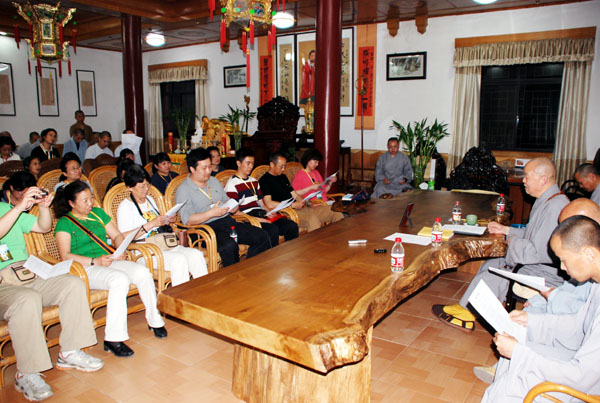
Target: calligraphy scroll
(366, 73)
(266, 79)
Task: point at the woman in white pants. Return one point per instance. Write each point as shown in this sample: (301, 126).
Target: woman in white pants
(81, 233)
(142, 210)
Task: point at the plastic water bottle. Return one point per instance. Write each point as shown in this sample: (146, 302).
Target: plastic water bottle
(500, 205)
(398, 256)
(436, 232)
(233, 234)
(456, 213)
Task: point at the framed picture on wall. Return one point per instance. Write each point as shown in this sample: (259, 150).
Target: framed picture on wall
(234, 76)
(406, 66)
(86, 92)
(285, 71)
(47, 91)
(7, 90)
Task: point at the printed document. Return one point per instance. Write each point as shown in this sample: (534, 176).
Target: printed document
(45, 270)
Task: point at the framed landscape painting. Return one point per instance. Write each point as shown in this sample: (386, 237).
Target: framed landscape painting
(234, 76)
(86, 92)
(406, 66)
(7, 90)
(47, 91)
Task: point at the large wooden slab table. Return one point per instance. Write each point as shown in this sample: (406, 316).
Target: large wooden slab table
(302, 314)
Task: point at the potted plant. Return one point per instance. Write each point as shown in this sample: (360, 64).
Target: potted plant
(420, 142)
(182, 119)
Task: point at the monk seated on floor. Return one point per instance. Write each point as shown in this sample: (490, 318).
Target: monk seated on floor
(393, 171)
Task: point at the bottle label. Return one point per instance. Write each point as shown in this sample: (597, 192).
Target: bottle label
(456, 217)
(500, 208)
(234, 237)
(436, 237)
(397, 262)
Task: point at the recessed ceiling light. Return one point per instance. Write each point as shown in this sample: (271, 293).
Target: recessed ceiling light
(484, 1)
(3, 33)
(155, 39)
(283, 20)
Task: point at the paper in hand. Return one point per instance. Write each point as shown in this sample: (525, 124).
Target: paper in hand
(539, 283)
(281, 206)
(311, 195)
(128, 239)
(329, 179)
(175, 209)
(45, 270)
(488, 306)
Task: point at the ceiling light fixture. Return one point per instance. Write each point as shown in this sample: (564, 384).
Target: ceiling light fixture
(155, 39)
(484, 1)
(3, 33)
(283, 20)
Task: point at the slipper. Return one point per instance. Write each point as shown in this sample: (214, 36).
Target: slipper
(464, 325)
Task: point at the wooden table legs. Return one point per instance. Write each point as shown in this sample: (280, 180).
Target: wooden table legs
(263, 377)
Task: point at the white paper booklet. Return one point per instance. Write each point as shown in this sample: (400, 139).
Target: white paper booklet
(45, 270)
(539, 283)
(121, 249)
(409, 238)
(488, 306)
(281, 206)
(329, 178)
(466, 229)
(175, 209)
(311, 195)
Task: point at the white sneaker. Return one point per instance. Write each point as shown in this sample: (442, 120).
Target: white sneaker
(486, 374)
(80, 361)
(33, 387)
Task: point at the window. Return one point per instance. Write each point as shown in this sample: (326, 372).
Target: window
(181, 95)
(519, 106)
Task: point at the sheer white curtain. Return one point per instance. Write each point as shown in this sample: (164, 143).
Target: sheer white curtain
(570, 149)
(196, 71)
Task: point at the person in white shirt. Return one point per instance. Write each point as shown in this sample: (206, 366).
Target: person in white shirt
(101, 147)
(142, 210)
(24, 150)
(7, 150)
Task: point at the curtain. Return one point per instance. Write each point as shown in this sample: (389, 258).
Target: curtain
(577, 55)
(570, 146)
(196, 72)
(465, 113)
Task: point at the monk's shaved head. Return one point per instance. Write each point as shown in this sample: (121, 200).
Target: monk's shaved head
(544, 166)
(584, 207)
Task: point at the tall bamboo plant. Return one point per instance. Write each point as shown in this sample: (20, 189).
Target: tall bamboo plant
(420, 142)
(182, 119)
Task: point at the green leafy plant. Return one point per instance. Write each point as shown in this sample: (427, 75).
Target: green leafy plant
(420, 142)
(182, 120)
(233, 118)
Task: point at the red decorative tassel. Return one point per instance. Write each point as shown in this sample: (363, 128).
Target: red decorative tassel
(277, 9)
(69, 65)
(60, 68)
(39, 66)
(244, 42)
(248, 69)
(211, 6)
(17, 36)
(223, 33)
(283, 9)
(61, 34)
(269, 41)
(28, 65)
(74, 40)
(252, 32)
(30, 31)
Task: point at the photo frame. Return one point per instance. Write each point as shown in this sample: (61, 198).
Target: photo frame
(47, 92)
(406, 66)
(7, 90)
(292, 54)
(86, 92)
(234, 76)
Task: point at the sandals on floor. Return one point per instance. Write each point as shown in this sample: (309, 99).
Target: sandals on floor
(464, 325)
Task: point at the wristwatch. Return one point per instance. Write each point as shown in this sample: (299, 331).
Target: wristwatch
(92, 262)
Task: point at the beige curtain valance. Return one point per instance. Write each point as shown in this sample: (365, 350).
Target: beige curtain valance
(535, 51)
(184, 73)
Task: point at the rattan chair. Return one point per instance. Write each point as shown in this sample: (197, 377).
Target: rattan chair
(45, 247)
(224, 176)
(148, 168)
(99, 179)
(103, 159)
(2, 180)
(183, 169)
(10, 167)
(543, 388)
(111, 203)
(259, 171)
(50, 165)
(291, 169)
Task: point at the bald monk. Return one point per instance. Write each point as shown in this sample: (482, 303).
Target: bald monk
(588, 177)
(564, 349)
(526, 246)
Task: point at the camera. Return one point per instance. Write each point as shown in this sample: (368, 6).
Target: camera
(43, 193)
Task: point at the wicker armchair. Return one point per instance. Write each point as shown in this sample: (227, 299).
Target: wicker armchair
(545, 387)
(111, 203)
(148, 168)
(291, 169)
(99, 179)
(10, 167)
(259, 171)
(103, 159)
(50, 165)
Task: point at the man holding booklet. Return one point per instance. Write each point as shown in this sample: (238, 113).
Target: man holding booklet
(22, 296)
(564, 349)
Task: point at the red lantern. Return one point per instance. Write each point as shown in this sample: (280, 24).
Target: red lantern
(248, 69)
(252, 32)
(17, 36)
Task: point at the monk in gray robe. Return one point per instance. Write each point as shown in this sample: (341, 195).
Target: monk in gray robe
(564, 349)
(588, 177)
(526, 246)
(393, 171)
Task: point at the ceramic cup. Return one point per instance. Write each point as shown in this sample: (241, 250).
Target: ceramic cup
(471, 219)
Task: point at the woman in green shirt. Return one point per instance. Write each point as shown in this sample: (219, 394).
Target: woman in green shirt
(74, 206)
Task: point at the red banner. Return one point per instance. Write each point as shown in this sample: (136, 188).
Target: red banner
(266, 79)
(366, 75)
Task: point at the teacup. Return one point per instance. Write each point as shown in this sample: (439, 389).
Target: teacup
(471, 219)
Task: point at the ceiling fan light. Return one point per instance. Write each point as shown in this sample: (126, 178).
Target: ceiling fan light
(283, 20)
(484, 1)
(155, 39)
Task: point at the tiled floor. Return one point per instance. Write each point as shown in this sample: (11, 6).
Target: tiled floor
(415, 358)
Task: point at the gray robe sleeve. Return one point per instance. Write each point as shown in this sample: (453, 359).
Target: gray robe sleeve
(379, 168)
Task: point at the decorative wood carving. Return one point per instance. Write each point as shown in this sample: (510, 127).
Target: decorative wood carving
(421, 23)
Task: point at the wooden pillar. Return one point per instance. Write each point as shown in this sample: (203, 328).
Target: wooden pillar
(328, 66)
(131, 32)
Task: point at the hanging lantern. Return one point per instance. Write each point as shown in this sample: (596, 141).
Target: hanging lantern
(46, 23)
